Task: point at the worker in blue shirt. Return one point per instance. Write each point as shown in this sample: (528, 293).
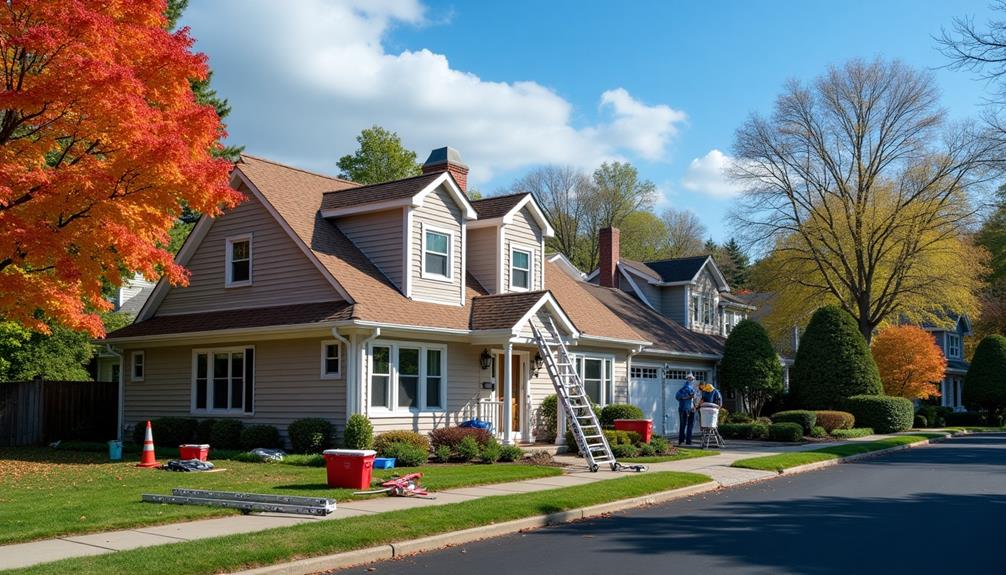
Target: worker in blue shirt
(686, 410)
(710, 394)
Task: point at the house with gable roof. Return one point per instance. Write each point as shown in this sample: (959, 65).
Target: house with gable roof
(404, 301)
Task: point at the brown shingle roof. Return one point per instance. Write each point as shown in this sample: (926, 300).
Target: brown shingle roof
(296, 196)
(665, 333)
(502, 311)
(588, 314)
(395, 190)
(498, 206)
(294, 314)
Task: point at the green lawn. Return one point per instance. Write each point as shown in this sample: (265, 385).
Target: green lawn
(234, 552)
(682, 453)
(46, 493)
(782, 461)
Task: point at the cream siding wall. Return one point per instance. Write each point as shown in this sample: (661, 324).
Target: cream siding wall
(523, 232)
(288, 384)
(438, 211)
(380, 236)
(281, 273)
(673, 303)
(483, 257)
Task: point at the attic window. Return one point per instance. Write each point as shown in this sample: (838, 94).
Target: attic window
(953, 346)
(239, 251)
(437, 254)
(520, 269)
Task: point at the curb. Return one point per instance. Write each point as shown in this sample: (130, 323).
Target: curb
(832, 462)
(434, 542)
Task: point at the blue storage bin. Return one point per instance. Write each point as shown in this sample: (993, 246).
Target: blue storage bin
(384, 462)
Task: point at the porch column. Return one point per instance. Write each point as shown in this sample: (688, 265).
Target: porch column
(959, 385)
(507, 422)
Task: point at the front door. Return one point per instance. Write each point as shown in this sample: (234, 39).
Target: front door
(515, 389)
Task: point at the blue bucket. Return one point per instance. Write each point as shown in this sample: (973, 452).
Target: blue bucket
(115, 450)
(384, 463)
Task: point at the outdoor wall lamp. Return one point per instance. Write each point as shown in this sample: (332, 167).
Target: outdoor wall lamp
(485, 359)
(538, 362)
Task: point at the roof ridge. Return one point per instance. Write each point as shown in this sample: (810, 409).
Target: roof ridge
(501, 197)
(365, 186)
(706, 256)
(289, 167)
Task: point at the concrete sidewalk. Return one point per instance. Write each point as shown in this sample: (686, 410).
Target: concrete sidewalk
(717, 467)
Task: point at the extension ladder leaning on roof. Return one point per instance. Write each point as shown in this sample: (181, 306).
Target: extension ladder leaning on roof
(573, 398)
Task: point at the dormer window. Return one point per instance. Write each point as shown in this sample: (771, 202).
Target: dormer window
(239, 270)
(520, 269)
(953, 345)
(437, 254)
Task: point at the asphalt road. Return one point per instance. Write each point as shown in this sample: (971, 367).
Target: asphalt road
(937, 509)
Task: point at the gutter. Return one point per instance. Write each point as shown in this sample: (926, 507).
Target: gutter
(350, 364)
(683, 354)
(357, 405)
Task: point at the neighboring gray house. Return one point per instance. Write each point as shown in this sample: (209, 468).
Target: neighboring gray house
(951, 341)
(129, 299)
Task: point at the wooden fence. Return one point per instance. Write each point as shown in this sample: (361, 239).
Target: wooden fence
(33, 412)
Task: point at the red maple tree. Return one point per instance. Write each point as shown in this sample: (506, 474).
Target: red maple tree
(909, 360)
(101, 144)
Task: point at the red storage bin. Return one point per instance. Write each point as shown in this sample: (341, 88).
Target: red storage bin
(644, 427)
(349, 468)
(194, 451)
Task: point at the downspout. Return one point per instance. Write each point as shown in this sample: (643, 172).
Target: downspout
(357, 403)
(120, 410)
(628, 375)
(350, 364)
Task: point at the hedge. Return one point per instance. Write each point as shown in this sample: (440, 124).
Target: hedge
(832, 420)
(966, 418)
(359, 433)
(255, 436)
(805, 419)
(851, 433)
(226, 434)
(453, 436)
(786, 431)
(619, 411)
(920, 422)
(168, 431)
(833, 362)
(984, 384)
(310, 435)
(417, 440)
(885, 414)
(549, 415)
(405, 454)
(743, 430)
(750, 366)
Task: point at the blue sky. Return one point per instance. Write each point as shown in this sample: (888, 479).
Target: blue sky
(514, 84)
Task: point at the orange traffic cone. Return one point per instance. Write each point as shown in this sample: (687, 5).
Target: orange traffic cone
(148, 459)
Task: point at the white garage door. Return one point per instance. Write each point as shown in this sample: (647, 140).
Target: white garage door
(644, 391)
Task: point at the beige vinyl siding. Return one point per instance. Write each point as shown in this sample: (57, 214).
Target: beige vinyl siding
(674, 303)
(288, 384)
(380, 237)
(464, 377)
(523, 233)
(483, 256)
(281, 273)
(440, 212)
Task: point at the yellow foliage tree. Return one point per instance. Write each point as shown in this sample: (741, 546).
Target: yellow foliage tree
(909, 361)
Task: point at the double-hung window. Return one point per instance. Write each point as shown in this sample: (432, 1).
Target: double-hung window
(137, 366)
(223, 380)
(595, 372)
(239, 261)
(331, 366)
(953, 345)
(407, 377)
(520, 269)
(437, 253)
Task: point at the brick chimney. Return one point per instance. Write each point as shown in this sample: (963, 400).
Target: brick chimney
(448, 159)
(609, 248)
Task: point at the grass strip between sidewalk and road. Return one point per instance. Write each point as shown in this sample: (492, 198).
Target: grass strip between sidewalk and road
(782, 461)
(284, 544)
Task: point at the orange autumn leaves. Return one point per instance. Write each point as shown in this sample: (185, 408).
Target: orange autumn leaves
(910, 362)
(101, 143)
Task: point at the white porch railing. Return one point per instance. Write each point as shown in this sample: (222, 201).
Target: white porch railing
(489, 410)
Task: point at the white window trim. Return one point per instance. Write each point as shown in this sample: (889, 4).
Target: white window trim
(230, 412)
(450, 254)
(957, 338)
(515, 247)
(324, 359)
(229, 251)
(395, 410)
(132, 365)
(579, 357)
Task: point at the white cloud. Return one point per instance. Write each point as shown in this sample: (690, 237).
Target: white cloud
(708, 175)
(305, 77)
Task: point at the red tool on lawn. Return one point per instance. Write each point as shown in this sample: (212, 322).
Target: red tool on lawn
(404, 486)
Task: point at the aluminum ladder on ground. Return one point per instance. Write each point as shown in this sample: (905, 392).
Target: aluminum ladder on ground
(572, 395)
